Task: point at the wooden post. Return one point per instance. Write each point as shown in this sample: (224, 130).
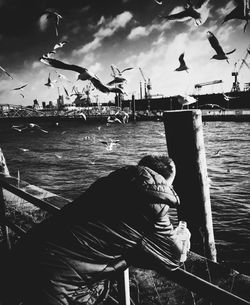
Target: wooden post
(133, 108)
(123, 287)
(185, 144)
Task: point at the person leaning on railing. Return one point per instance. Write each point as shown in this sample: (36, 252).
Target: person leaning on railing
(121, 220)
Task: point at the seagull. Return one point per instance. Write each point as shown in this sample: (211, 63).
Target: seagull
(50, 14)
(241, 12)
(117, 80)
(105, 88)
(116, 71)
(220, 54)
(62, 77)
(190, 12)
(59, 45)
(6, 72)
(110, 143)
(50, 83)
(50, 53)
(29, 127)
(23, 149)
(229, 98)
(84, 74)
(158, 2)
(20, 88)
(183, 66)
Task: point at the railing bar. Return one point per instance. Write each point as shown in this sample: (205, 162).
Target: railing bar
(24, 195)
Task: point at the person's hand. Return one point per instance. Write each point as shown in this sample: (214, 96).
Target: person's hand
(182, 242)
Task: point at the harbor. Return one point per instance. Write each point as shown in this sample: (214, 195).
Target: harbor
(164, 287)
(124, 152)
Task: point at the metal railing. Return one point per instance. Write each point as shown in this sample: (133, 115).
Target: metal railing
(180, 276)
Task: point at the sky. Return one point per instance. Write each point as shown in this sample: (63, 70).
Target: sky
(124, 33)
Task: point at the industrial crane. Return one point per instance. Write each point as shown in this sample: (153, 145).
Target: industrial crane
(235, 73)
(213, 82)
(147, 85)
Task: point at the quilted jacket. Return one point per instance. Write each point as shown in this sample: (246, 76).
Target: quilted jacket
(70, 258)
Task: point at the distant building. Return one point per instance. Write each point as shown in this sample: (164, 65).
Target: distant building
(36, 104)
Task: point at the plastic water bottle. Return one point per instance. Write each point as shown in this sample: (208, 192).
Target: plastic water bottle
(183, 235)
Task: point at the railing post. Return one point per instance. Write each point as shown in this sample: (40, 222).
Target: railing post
(185, 145)
(133, 108)
(123, 288)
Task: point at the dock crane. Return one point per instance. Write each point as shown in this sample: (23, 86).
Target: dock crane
(147, 85)
(213, 82)
(235, 73)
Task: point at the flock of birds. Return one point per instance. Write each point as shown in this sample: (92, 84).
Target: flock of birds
(116, 85)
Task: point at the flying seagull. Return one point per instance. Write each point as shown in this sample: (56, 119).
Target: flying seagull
(105, 88)
(59, 45)
(20, 88)
(158, 2)
(84, 74)
(241, 12)
(117, 80)
(29, 127)
(6, 72)
(183, 66)
(116, 71)
(188, 12)
(50, 14)
(220, 54)
(50, 83)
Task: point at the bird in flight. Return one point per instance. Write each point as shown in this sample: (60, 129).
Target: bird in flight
(84, 74)
(20, 88)
(28, 127)
(117, 80)
(220, 54)
(50, 83)
(50, 14)
(59, 45)
(188, 12)
(158, 2)
(182, 66)
(241, 12)
(110, 143)
(6, 72)
(116, 71)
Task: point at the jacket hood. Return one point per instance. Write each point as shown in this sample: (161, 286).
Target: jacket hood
(146, 184)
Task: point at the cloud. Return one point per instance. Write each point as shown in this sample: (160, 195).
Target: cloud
(138, 32)
(107, 29)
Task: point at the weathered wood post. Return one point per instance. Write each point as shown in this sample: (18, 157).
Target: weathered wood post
(133, 108)
(185, 145)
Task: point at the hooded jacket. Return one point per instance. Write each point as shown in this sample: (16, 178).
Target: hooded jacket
(69, 258)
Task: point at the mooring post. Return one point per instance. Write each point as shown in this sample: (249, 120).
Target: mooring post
(123, 287)
(133, 108)
(185, 145)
